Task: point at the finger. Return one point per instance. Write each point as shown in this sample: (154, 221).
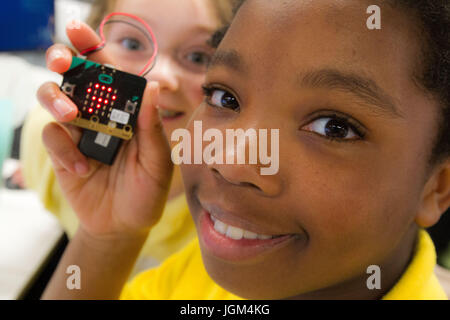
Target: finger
(63, 150)
(83, 37)
(73, 131)
(56, 102)
(59, 58)
(150, 134)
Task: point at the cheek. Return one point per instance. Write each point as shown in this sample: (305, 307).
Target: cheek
(346, 205)
(190, 172)
(191, 85)
(190, 96)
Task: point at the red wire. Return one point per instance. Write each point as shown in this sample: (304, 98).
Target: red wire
(103, 42)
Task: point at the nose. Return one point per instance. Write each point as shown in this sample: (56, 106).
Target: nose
(245, 174)
(165, 72)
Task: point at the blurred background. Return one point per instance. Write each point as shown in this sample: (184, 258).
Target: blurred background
(31, 239)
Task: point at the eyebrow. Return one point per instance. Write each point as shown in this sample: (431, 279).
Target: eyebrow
(362, 87)
(227, 58)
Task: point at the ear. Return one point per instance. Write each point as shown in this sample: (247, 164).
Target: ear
(436, 196)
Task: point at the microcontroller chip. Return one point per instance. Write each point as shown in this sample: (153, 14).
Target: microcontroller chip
(108, 99)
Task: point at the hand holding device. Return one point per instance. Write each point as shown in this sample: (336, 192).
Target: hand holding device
(108, 99)
(128, 196)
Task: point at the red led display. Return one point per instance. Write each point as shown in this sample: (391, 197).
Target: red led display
(99, 100)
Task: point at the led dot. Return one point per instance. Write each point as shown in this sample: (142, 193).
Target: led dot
(103, 88)
(100, 99)
(97, 86)
(114, 97)
(109, 89)
(99, 106)
(89, 90)
(106, 101)
(91, 110)
(94, 98)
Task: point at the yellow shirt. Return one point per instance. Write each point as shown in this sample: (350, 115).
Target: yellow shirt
(183, 277)
(172, 233)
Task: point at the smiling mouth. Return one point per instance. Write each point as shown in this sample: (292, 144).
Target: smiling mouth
(170, 114)
(236, 233)
(234, 244)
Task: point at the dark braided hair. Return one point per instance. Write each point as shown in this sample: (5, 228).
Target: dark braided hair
(434, 72)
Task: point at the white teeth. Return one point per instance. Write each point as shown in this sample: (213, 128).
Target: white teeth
(220, 227)
(236, 233)
(250, 235)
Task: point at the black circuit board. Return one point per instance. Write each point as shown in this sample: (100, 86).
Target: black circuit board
(108, 99)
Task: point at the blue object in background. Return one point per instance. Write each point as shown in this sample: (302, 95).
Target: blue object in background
(6, 130)
(26, 24)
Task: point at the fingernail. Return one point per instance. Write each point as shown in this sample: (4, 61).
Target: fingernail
(81, 168)
(62, 107)
(54, 55)
(75, 24)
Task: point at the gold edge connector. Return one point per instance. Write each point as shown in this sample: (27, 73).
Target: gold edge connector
(126, 133)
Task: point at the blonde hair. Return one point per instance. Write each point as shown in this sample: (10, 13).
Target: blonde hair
(100, 8)
(223, 8)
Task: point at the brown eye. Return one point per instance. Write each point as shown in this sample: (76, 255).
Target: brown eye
(334, 128)
(221, 99)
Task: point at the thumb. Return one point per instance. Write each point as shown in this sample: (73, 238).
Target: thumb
(84, 37)
(152, 142)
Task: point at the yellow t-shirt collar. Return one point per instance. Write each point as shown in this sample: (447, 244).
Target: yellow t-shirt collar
(419, 282)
